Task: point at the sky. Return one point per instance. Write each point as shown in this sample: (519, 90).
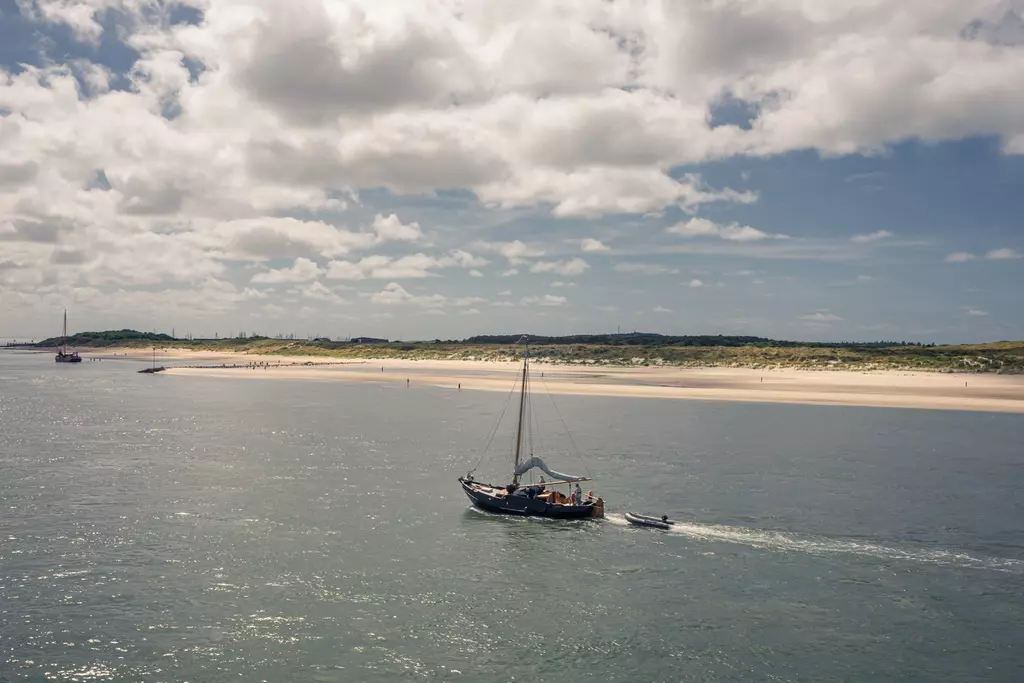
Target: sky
(795, 169)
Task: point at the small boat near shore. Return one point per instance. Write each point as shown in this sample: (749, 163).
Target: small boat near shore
(153, 369)
(637, 519)
(63, 355)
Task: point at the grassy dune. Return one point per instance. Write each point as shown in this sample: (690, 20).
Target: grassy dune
(1007, 357)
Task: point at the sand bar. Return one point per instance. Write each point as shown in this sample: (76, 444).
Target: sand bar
(941, 391)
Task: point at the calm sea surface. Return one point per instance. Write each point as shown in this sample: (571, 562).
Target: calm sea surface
(164, 528)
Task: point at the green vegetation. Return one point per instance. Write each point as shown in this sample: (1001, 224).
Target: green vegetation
(615, 350)
(97, 340)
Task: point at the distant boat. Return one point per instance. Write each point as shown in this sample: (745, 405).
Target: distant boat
(535, 500)
(63, 356)
(153, 369)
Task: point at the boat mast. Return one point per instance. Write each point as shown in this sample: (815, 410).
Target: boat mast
(519, 429)
(64, 334)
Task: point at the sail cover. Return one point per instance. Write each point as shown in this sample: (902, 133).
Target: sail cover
(528, 465)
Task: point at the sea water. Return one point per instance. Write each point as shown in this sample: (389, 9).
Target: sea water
(184, 528)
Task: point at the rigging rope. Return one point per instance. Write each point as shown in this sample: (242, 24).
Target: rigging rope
(571, 440)
(494, 431)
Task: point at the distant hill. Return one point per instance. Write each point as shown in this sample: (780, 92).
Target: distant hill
(108, 338)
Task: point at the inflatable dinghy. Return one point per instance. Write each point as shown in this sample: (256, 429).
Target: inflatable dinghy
(644, 520)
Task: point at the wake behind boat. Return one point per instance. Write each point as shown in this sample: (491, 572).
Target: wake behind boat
(541, 499)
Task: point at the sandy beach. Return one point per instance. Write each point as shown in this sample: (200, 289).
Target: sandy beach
(941, 391)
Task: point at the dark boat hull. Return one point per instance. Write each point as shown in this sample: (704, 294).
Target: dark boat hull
(68, 358)
(524, 506)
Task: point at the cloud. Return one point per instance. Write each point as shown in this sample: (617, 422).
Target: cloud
(393, 294)
(559, 283)
(19, 173)
(319, 292)
(265, 238)
(250, 293)
(546, 300)
(821, 317)
(661, 309)
(597, 191)
(575, 266)
(702, 227)
(871, 237)
(960, 257)
(302, 270)
(475, 273)
(464, 259)
(390, 229)
(642, 268)
(218, 149)
(69, 257)
(389, 268)
(510, 272)
(976, 313)
(1002, 254)
(335, 97)
(80, 18)
(695, 284)
(515, 252)
(588, 244)
(864, 278)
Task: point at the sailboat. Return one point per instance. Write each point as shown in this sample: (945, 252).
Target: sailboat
(63, 356)
(537, 500)
(149, 371)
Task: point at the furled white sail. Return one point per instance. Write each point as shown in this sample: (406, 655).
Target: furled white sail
(541, 465)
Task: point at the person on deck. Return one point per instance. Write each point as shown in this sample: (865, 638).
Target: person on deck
(579, 494)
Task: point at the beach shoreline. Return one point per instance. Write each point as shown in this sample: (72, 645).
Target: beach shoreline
(886, 389)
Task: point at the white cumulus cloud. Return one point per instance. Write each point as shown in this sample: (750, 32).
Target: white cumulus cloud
(302, 270)
(733, 232)
(574, 266)
(389, 228)
(546, 300)
(588, 244)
